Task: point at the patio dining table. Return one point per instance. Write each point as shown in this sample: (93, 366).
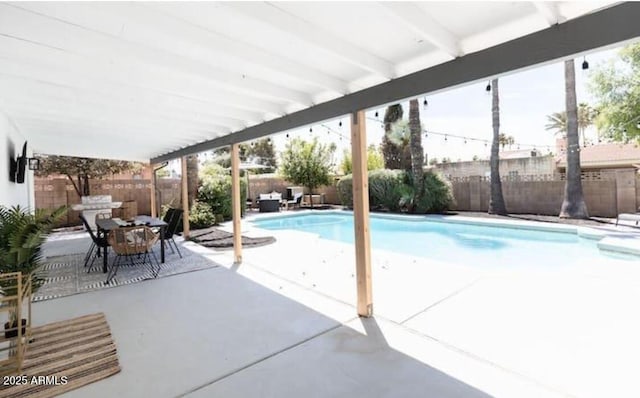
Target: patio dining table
(106, 225)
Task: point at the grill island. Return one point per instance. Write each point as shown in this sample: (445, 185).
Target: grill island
(94, 205)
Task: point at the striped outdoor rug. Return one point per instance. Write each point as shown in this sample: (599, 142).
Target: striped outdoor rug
(70, 353)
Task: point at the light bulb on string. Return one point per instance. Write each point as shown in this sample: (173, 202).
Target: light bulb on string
(376, 114)
(340, 124)
(488, 88)
(310, 130)
(585, 64)
(425, 103)
(445, 137)
(287, 135)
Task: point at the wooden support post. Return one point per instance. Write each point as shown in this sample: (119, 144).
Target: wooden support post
(154, 209)
(361, 213)
(235, 203)
(185, 199)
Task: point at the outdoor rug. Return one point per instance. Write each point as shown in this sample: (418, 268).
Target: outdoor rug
(65, 275)
(218, 239)
(69, 354)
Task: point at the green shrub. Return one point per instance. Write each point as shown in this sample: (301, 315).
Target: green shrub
(345, 190)
(392, 190)
(386, 189)
(437, 194)
(201, 215)
(215, 191)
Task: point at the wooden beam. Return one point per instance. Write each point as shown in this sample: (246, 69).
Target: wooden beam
(235, 203)
(154, 209)
(361, 213)
(185, 199)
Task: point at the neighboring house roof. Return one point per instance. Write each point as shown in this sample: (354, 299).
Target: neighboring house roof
(605, 155)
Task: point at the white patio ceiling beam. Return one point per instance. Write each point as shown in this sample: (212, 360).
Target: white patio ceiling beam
(173, 134)
(136, 84)
(82, 135)
(275, 17)
(53, 25)
(599, 29)
(425, 26)
(549, 11)
(148, 126)
(43, 95)
(152, 15)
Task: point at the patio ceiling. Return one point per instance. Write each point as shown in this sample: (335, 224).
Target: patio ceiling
(144, 81)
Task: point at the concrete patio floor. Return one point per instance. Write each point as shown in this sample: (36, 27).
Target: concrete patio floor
(283, 324)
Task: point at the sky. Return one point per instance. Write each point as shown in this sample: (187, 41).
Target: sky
(526, 98)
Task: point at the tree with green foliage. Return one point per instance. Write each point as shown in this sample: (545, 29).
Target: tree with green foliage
(375, 160)
(573, 205)
(505, 140)
(557, 121)
(215, 192)
(496, 199)
(307, 163)
(616, 88)
(80, 170)
(395, 148)
(263, 153)
(260, 152)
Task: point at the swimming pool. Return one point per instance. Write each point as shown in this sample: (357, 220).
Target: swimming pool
(462, 243)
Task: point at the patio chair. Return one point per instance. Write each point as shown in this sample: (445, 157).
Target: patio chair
(97, 243)
(132, 242)
(295, 202)
(633, 217)
(172, 217)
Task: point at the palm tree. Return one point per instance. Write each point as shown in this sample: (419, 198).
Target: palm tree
(415, 146)
(496, 201)
(573, 205)
(505, 140)
(557, 121)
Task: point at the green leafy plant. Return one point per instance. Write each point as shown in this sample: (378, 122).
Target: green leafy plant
(22, 234)
(345, 191)
(384, 189)
(215, 190)
(201, 215)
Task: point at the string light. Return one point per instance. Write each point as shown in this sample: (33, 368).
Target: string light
(488, 88)
(310, 129)
(585, 64)
(340, 124)
(425, 103)
(376, 114)
(287, 135)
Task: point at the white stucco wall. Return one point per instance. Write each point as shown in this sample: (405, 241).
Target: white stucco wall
(12, 194)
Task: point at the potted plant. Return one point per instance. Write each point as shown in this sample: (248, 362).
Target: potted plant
(22, 234)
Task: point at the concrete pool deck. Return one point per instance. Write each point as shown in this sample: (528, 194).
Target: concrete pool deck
(283, 324)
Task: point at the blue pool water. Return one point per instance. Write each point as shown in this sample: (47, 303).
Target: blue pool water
(469, 244)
